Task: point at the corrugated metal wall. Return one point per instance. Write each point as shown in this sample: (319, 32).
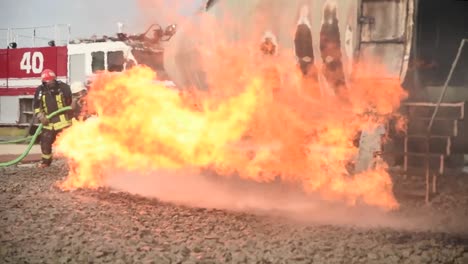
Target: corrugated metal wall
(247, 20)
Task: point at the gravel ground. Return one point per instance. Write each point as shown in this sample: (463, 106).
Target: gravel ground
(42, 224)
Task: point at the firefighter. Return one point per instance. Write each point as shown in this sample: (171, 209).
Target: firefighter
(79, 93)
(50, 96)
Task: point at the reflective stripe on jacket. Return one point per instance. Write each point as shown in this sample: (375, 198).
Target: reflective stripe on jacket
(51, 99)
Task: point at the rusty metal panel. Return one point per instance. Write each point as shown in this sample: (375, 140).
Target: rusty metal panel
(409, 38)
(383, 20)
(248, 21)
(389, 54)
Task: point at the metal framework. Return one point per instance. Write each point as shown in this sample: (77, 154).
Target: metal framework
(13, 35)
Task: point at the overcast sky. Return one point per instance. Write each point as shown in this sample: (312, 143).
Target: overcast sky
(88, 17)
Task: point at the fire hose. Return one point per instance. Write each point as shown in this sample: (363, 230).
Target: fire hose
(26, 138)
(16, 140)
(33, 139)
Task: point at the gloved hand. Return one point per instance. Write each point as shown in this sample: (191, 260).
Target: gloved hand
(43, 118)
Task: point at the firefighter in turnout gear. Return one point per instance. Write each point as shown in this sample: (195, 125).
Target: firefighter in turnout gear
(49, 97)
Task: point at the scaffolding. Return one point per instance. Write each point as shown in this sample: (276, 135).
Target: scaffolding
(58, 34)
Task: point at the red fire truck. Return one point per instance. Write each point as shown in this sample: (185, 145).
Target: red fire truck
(78, 60)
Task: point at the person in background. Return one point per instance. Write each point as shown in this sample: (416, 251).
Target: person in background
(49, 97)
(79, 92)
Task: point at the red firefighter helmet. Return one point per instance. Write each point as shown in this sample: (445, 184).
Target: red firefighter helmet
(48, 75)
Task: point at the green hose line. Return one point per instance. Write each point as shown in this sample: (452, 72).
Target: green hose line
(34, 137)
(16, 140)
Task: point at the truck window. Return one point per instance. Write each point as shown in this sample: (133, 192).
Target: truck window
(26, 110)
(115, 61)
(97, 63)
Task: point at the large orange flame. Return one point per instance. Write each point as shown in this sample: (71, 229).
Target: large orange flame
(260, 120)
(142, 125)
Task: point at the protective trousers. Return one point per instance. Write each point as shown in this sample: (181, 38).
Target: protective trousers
(48, 137)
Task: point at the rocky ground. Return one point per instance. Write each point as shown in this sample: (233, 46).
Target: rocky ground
(39, 223)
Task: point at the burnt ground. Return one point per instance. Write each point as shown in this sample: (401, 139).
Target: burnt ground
(39, 223)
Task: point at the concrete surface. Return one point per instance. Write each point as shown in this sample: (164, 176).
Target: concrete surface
(11, 151)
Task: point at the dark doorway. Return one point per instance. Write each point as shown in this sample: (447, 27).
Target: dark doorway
(440, 26)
